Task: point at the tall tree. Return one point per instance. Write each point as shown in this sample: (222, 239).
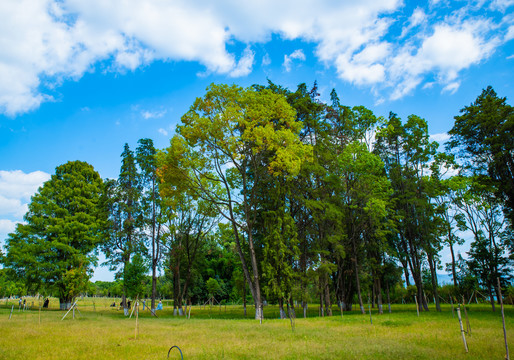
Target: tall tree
(406, 152)
(64, 225)
(152, 215)
(484, 136)
(124, 236)
(222, 139)
(484, 219)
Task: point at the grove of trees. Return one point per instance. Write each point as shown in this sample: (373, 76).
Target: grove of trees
(272, 196)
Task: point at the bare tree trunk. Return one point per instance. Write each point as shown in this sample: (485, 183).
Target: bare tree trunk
(454, 271)
(431, 263)
(328, 305)
(379, 296)
(491, 297)
(281, 308)
(244, 295)
(291, 307)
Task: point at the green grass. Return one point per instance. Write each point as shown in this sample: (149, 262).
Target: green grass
(104, 333)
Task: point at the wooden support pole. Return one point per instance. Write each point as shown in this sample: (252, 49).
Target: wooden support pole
(136, 306)
(507, 356)
(462, 329)
(468, 326)
(12, 309)
(72, 307)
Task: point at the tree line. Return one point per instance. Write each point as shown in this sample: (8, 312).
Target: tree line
(271, 195)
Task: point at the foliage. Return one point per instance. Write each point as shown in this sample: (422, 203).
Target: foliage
(55, 249)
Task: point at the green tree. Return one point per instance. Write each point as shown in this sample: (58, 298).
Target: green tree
(222, 140)
(483, 136)
(407, 152)
(124, 237)
(152, 215)
(56, 247)
(134, 281)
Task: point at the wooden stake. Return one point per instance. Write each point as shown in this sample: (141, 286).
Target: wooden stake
(507, 356)
(417, 307)
(137, 316)
(72, 307)
(462, 329)
(12, 309)
(468, 326)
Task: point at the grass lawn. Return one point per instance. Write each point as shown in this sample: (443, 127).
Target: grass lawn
(101, 332)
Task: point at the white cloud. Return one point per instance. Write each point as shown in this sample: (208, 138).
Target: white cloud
(7, 226)
(441, 138)
(510, 34)
(501, 5)
(266, 60)
(18, 185)
(16, 189)
(244, 66)
(56, 40)
(146, 114)
(295, 55)
(452, 87)
(450, 49)
(163, 131)
(418, 17)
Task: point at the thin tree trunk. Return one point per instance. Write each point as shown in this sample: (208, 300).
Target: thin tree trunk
(357, 280)
(431, 263)
(491, 297)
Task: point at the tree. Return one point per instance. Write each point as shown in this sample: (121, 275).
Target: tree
(484, 219)
(134, 274)
(406, 152)
(220, 145)
(483, 135)
(124, 236)
(55, 249)
(146, 157)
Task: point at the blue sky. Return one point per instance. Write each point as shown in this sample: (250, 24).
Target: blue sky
(78, 79)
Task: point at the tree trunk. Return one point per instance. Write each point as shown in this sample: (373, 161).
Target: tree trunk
(491, 297)
(357, 280)
(431, 264)
(379, 296)
(454, 271)
(328, 305)
(291, 308)
(281, 309)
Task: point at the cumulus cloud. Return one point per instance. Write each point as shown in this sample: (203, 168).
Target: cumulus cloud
(46, 42)
(448, 50)
(163, 131)
(244, 66)
(16, 188)
(7, 226)
(288, 59)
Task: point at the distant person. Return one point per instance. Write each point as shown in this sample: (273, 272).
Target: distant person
(128, 304)
(159, 305)
(144, 303)
(19, 303)
(113, 304)
(45, 304)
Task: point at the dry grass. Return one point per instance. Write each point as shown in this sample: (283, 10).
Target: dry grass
(211, 334)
